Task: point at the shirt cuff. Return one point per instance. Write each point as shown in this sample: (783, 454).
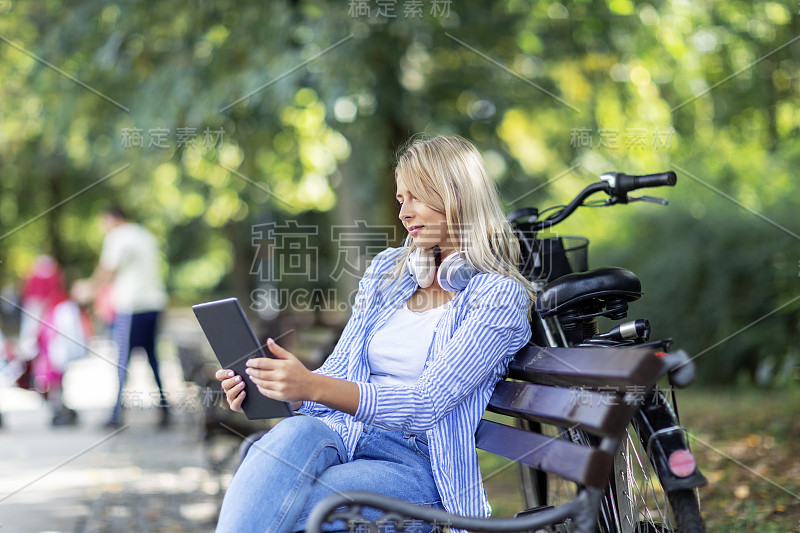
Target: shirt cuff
(367, 402)
(309, 408)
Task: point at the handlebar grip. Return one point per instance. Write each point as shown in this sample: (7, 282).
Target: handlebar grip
(622, 183)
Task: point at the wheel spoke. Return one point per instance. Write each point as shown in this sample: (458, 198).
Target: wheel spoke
(638, 502)
(644, 489)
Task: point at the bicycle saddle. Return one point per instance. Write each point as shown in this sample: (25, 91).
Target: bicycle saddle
(602, 283)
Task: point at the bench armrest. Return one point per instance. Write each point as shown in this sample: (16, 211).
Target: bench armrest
(399, 511)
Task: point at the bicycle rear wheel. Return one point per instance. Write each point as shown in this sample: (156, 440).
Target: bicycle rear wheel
(634, 502)
(642, 504)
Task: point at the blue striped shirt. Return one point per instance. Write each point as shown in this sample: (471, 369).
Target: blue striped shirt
(474, 340)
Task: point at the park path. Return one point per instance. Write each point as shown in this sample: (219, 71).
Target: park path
(88, 479)
(140, 478)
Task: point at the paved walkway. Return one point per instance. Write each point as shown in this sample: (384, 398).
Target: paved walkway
(85, 479)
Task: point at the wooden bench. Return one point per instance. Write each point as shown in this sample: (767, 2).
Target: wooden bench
(595, 390)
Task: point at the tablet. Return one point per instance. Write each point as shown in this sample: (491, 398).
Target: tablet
(234, 342)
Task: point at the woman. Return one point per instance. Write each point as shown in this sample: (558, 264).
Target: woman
(394, 408)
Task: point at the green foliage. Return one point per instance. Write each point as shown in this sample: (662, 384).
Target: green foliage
(721, 282)
(306, 104)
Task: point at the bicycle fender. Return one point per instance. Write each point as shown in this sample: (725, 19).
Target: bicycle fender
(662, 436)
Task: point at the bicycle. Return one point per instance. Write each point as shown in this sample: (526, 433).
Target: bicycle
(655, 480)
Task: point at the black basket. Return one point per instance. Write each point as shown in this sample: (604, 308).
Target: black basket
(555, 257)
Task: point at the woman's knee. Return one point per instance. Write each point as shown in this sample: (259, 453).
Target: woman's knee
(298, 432)
(300, 425)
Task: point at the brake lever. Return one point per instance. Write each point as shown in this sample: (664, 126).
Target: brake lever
(650, 199)
(617, 199)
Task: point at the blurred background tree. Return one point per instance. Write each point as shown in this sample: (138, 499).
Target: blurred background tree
(211, 119)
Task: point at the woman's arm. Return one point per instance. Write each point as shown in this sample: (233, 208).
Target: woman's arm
(285, 378)
(352, 338)
(325, 388)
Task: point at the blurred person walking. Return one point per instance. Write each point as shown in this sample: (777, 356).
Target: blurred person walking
(131, 261)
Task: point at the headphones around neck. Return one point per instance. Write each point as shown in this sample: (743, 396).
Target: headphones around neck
(453, 275)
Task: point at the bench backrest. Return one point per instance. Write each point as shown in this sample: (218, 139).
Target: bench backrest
(595, 390)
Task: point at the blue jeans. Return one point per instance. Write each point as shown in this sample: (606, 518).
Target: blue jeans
(301, 461)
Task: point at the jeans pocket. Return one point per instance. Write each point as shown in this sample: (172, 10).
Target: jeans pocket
(368, 434)
(421, 447)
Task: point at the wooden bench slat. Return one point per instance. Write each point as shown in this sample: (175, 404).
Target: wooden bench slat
(585, 465)
(587, 367)
(601, 413)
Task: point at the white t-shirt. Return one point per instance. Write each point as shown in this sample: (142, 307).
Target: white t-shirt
(131, 252)
(399, 349)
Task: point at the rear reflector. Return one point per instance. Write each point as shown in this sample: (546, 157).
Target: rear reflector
(682, 463)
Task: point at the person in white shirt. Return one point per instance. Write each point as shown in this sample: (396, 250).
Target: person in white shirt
(131, 261)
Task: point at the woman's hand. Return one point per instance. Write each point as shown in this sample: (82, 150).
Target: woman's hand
(284, 378)
(233, 386)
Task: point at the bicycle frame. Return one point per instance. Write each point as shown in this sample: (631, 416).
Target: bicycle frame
(659, 429)
(656, 423)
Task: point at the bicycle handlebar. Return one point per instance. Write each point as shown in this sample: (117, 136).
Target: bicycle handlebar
(622, 183)
(616, 184)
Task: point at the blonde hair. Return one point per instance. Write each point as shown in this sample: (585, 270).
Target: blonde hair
(448, 175)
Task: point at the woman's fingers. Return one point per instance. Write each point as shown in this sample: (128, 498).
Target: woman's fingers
(279, 351)
(282, 377)
(266, 373)
(263, 379)
(234, 389)
(233, 386)
(223, 374)
(235, 395)
(236, 402)
(231, 382)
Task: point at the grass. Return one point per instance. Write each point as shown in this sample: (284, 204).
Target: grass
(747, 443)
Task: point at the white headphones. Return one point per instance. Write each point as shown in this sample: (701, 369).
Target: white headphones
(453, 275)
